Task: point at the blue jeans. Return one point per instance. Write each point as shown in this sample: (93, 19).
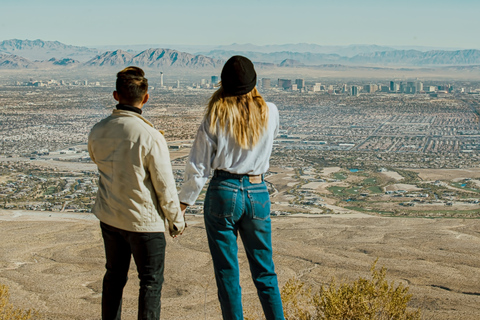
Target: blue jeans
(148, 251)
(234, 205)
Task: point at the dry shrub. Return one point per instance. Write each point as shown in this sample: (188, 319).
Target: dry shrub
(373, 298)
(364, 299)
(9, 312)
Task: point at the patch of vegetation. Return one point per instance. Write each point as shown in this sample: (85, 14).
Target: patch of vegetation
(9, 312)
(409, 177)
(375, 189)
(340, 175)
(465, 186)
(370, 181)
(352, 190)
(337, 191)
(363, 299)
(368, 210)
(447, 213)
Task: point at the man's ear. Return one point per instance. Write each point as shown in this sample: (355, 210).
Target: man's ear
(115, 95)
(145, 99)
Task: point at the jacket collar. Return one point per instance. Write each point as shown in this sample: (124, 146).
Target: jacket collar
(129, 108)
(117, 112)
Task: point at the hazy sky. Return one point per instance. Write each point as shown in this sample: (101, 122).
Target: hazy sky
(439, 23)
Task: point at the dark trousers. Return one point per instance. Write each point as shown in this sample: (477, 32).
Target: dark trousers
(148, 250)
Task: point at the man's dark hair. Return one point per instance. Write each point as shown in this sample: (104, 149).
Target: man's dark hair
(131, 84)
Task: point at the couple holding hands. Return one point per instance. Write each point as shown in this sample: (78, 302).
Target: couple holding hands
(137, 192)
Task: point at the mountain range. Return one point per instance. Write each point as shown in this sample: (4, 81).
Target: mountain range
(53, 54)
(44, 50)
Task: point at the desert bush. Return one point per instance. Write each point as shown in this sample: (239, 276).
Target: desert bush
(372, 298)
(365, 299)
(9, 312)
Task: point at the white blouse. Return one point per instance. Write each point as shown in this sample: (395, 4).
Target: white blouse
(221, 152)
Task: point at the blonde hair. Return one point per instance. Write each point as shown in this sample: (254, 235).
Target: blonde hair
(245, 116)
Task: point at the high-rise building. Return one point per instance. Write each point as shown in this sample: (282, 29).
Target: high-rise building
(354, 91)
(392, 86)
(370, 88)
(214, 80)
(284, 84)
(419, 86)
(161, 79)
(300, 83)
(266, 83)
(411, 88)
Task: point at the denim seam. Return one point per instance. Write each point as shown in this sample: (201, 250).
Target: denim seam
(223, 183)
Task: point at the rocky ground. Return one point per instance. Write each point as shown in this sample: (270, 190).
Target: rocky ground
(54, 262)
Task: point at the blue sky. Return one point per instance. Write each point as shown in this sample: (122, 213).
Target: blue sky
(438, 23)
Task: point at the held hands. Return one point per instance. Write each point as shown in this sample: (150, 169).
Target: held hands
(174, 233)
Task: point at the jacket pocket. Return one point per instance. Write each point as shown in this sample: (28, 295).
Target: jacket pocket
(260, 202)
(220, 201)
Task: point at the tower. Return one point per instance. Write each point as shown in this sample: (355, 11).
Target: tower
(161, 79)
(300, 83)
(354, 91)
(392, 86)
(214, 80)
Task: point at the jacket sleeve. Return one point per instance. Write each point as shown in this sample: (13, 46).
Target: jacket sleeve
(199, 163)
(90, 147)
(160, 169)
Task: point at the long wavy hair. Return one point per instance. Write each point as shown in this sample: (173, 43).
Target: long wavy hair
(245, 116)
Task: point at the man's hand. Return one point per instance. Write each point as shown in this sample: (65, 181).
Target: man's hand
(174, 233)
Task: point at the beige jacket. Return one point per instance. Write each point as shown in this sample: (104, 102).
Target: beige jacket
(137, 190)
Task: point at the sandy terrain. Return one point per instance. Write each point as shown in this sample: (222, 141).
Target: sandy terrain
(54, 262)
(447, 174)
(330, 170)
(312, 185)
(402, 186)
(393, 175)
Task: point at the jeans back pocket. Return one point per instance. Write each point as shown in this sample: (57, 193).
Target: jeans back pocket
(260, 202)
(220, 201)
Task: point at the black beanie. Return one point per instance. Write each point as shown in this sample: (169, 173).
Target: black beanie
(238, 76)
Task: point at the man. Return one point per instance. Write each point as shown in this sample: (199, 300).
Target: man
(136, 195)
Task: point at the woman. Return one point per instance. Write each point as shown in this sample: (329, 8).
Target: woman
(235, 139)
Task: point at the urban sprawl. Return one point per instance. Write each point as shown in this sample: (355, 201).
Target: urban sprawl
(383, 147)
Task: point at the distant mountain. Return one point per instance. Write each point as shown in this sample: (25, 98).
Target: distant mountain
(307, 58)
(11, 61)
(64, 62)
(418, 58)
(379, 58)
(111, 58)
(44, 50)
(291, 63)
(346, 51)
(28, 54)
(71, 63)
(155, 58)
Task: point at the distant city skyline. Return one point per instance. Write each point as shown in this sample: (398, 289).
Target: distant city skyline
(428, 23)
